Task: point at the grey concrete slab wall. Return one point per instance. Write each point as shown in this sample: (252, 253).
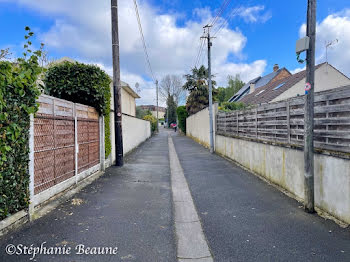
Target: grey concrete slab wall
(197, 125)
(284, 166)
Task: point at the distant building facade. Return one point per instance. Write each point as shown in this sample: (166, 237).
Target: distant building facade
(153, 109)
(326, 77)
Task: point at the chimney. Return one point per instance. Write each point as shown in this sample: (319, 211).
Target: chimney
(251, 88)
(275, 67)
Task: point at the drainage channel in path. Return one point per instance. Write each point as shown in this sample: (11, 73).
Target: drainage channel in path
(191, 242)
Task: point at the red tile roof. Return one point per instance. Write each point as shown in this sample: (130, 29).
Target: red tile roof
(267, 93)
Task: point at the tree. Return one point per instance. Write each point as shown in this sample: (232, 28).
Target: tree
(171, 110)
(141, 113)
(182, 115)
(5, 54)
(171, 85)
(221, 95)
(234, 85)
(197, 85)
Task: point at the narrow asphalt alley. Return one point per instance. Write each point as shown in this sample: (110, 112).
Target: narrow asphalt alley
(245, 219)
(129, 208)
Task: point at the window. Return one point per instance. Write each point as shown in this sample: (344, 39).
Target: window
(280, 85)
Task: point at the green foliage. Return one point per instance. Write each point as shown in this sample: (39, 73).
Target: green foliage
(79, 83)
(233, 86)
(84, 84)
(18, 94)
(153, 121)
(108, 144)
(227, 106)
(221, 95)
(182, 115)
(171, 106)
(197, 85)
(141, 113)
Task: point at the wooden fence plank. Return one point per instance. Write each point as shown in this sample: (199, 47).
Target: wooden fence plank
(283, 121)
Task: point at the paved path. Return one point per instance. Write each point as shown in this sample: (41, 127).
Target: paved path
(244, 219)
(129, 207)
(237, 216)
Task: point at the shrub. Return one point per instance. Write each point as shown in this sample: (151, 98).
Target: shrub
(85, 84)
(18, 94)
(231, 106)
(182, 115)
(153, 121)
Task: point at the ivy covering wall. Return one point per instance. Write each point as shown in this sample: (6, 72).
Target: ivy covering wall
(84, 84)
(18, 94)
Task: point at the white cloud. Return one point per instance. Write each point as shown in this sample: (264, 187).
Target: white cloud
(297, 70)
(334, 26)
(83, 27)
(253, 14)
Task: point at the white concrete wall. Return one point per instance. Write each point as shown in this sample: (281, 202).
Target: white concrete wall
(197, 125)
(135, 131)
(285, 167)
(326, 78)
(128, 103)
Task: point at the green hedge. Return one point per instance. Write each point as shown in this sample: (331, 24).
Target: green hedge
(84, 84)
(181, 116)
(153, 121)
(18, 94)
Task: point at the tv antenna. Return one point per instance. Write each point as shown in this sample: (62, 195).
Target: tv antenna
(329, 45)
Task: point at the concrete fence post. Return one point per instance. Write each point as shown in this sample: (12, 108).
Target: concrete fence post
(76, 145)
(256, 122)
(31, 167)
(102, 143)
(288, 122)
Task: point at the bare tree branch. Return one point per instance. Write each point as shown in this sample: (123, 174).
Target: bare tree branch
(171, 85)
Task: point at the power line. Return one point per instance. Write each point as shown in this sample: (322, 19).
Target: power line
(232, 14)
(226, 21)
(224, 5)
(199, 52)
(143, 41)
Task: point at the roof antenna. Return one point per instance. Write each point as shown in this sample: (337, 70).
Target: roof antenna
(328, 45)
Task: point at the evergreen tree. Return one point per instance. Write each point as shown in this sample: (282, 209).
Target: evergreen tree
(197, 85)
(171, 110)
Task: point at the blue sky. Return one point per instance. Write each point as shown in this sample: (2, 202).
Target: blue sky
(261, 34)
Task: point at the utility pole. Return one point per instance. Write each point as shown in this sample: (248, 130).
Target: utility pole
(157, 106)
(309, 109)
(211, 131)
(116, 86)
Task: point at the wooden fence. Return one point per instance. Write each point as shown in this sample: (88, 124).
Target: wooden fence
(283, 121)
(66, 141)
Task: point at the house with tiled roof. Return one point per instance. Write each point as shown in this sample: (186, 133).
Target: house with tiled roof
(256, 83)
(153, 109)
(326, 77)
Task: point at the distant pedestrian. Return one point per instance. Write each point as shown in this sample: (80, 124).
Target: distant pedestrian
(175, 126)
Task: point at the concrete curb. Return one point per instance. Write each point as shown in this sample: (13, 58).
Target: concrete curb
(13, 222)
(191, 242)
(22, 217)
